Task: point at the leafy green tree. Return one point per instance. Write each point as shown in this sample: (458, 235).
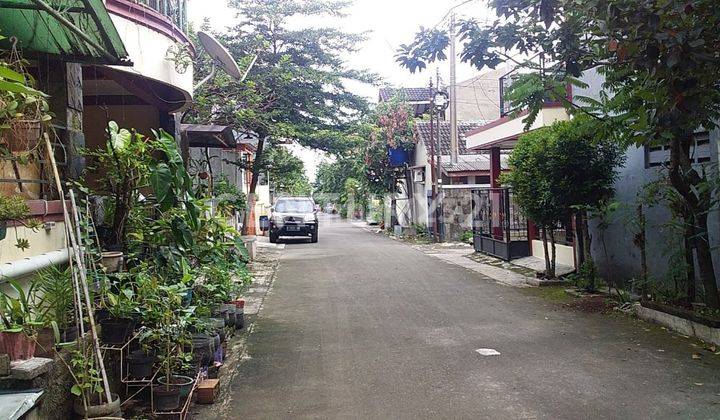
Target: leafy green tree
(533, 190)
(660, 62)
(332, 180)
(560, 170)
(297, 88)
(287, 172)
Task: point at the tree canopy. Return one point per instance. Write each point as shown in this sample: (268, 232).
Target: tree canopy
(296, 90)
(287, 172)
(659, 60)
(558, 170)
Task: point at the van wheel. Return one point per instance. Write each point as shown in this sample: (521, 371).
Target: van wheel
(273, 238)
(314, 237)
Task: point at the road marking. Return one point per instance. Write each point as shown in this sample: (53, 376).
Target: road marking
(488, 352)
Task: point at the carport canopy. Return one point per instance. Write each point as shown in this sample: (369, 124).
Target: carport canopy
(212, 136)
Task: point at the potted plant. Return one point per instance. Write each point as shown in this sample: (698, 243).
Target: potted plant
(122, 309)
(140, 363)
(112, 261)
(11, 209)
(90, 396)
(18, 334)
(169, 335)
(52, 299)
(23, 109)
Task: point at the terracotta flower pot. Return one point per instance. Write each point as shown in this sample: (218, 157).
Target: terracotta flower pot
(17, 345)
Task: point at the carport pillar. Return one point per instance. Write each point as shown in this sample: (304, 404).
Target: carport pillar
(495, 167)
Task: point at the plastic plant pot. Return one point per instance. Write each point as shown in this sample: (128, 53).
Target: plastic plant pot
(185, 384)
(140, 364)
(166, 398)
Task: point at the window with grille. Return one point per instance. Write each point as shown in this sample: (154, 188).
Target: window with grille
(700, 152)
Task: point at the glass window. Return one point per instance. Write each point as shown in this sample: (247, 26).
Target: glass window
(294, 206)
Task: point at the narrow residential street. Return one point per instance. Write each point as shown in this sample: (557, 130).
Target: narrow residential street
(361, 326)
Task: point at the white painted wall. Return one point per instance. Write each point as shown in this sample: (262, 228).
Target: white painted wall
(564, 254)
(147, 49)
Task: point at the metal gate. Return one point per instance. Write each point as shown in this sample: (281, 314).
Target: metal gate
(499, 228)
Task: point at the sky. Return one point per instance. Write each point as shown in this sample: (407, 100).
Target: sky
(390, 23)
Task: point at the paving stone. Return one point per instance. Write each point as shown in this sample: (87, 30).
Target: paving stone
(30, 369)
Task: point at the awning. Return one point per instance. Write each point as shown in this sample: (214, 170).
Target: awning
(213, 136)
(76, 30)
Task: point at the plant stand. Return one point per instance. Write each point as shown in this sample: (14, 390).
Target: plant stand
(182, 412)
(137, 385)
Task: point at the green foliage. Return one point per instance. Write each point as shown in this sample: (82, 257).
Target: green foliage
(296, 89)
(586, 277)
(287, 172)
(467, 236)
(531, 181)
(230, 198)
(559, 169)
(53, 297)
(389, 126)
(86, 374)
(15, 309)
(13, 208)
(125, 164)
(19, 100)
(659, 63)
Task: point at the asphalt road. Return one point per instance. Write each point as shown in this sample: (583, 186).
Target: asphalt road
(360, 326)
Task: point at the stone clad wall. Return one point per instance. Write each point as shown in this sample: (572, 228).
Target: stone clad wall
(457, 212)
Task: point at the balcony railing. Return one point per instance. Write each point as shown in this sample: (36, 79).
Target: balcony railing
(168, 17)
(176, 10)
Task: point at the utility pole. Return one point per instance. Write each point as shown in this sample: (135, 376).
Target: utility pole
(453, 95)
(432, 160)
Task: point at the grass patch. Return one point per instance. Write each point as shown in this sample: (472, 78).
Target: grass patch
(552, 293)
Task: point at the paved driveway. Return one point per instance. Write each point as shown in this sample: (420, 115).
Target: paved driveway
(360, 326)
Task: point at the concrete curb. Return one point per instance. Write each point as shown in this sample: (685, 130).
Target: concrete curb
(681, 325)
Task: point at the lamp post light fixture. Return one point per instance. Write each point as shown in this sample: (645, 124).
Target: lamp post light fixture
(440, 101)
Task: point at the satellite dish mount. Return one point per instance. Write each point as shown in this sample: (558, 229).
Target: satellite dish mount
(221, 58)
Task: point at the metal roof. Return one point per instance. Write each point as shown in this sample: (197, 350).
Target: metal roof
(480, 164)
(78, 30)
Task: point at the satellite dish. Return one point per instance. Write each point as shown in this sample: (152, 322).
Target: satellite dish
(219, 54)
(222, 58)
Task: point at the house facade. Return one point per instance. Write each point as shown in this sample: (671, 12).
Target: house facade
(118, 60)
(471, 171)
(500, 226)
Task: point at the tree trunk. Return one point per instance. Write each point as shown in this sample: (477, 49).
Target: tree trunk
(640, 243)
(686, 181)
(548, 267)
(705, 263)
(579, 239)
(256, 168)
(587, 246)
(553, 257)
(690, 261)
